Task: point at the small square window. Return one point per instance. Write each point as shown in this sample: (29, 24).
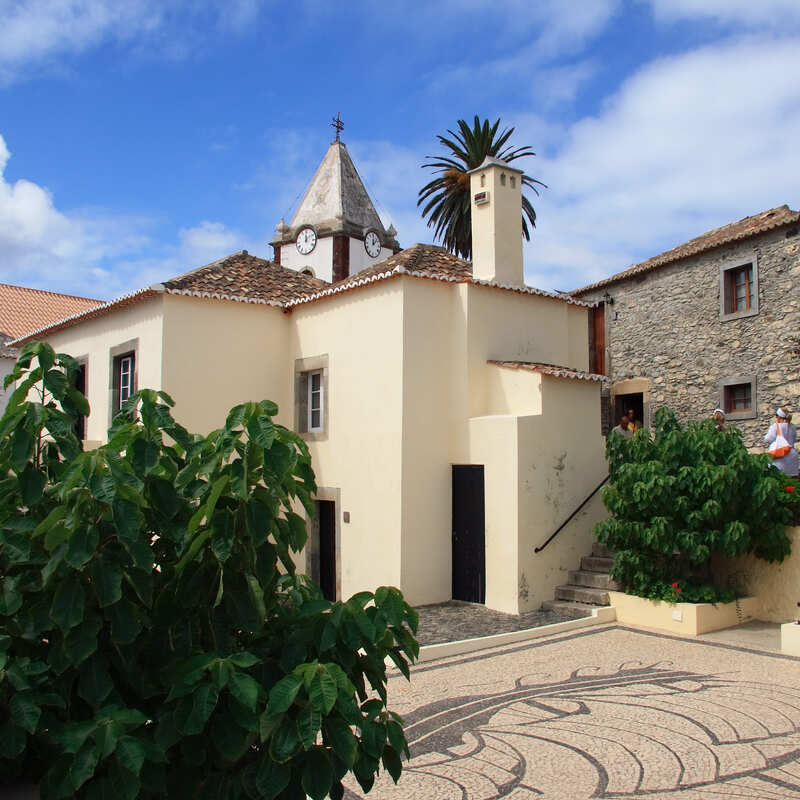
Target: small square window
(738, 289)
(737, 397)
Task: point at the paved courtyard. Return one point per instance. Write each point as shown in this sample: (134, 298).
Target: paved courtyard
(606, 712)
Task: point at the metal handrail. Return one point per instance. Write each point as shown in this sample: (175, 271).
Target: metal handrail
(564, 523)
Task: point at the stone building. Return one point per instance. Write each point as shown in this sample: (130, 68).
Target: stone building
(712, 322)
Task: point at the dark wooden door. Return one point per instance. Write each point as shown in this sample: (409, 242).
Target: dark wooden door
(469, 539)
(597, 351)
(327, 548)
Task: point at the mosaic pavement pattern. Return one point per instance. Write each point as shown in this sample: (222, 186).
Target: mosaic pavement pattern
(604, 713)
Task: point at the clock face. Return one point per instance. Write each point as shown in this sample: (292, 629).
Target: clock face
(372, 244)
(306, 241)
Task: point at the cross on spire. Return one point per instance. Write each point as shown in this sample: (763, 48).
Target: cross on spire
(337, 124)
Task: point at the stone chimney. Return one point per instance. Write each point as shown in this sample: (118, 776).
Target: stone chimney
(496, 207)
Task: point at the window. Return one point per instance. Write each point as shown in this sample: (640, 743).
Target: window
(738, 397)
(122, 381)
(315, 401)
(739, 289)
(124, 377)
(311, 396)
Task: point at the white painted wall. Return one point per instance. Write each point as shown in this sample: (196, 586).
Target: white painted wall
(360, 259)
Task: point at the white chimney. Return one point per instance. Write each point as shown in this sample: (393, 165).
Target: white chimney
(496, 207)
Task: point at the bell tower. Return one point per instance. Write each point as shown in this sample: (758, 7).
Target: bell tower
(336, 231)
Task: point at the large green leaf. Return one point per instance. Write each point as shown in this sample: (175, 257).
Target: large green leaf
(340, 737)
(323, 690)
(130, 753)
(317, 774)
(94, 681)
(81, 641)
(106, 581)
(272, 778)
(244, 688)
(204, 701)
(84, 764)
(24, 712)
(68, 603)
(309, 722)
(283, 693)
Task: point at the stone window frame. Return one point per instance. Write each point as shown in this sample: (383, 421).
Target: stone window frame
(739, 380)
(724, 272)
(115, 355)
(303, 367)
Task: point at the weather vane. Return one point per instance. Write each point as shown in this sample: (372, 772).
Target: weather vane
(337, 124)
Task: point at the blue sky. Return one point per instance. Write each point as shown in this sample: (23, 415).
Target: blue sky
(142, 138)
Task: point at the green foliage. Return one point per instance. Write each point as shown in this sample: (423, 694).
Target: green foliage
(447, 197)
(155, 640)
(683, 496)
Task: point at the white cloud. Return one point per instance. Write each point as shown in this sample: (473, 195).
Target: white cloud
(687, 143)
(35, 33)
(91, 252)
(763, 13)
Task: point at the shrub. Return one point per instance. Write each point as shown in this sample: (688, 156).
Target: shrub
(154, 638)
(684, 495)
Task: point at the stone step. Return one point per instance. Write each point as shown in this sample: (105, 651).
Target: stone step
(568, 607)
(596, 563)
(601, 550)
(582, 594)
(597, 580)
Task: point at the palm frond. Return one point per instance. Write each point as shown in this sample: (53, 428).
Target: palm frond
(445, 200)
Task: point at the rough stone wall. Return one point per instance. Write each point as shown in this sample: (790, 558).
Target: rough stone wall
(665, 326)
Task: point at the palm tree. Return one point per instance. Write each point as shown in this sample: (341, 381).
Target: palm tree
(446, 197)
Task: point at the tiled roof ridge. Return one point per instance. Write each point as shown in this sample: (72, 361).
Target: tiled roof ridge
(50, 292)
(554, 370)
(702, 243)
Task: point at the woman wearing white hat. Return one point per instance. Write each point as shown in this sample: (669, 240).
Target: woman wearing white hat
(787, 463)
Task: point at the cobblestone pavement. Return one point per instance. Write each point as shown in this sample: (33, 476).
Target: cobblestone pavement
(454, 620)
(605, 712)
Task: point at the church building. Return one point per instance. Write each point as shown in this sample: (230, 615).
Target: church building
(449, 410)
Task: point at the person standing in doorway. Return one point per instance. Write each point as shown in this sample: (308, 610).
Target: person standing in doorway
(633, 423)
(623, 428)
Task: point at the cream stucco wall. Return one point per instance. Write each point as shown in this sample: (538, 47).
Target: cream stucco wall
(776, 585)
(6, 366)
(428, 392)
(360, 453)
(92, 341)
(561, 461)
(219, 353)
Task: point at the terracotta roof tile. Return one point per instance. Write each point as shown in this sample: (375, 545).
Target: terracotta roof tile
(245, 277)
(23, 310)
(551, 369)
(735, 231)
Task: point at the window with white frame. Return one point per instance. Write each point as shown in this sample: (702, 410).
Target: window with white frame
(315, 398)
(311, 396)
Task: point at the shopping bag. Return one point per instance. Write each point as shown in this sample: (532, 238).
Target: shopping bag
(780, 447)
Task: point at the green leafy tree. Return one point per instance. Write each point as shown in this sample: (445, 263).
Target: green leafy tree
(683, 496)
(446, 199)
(155, 640)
